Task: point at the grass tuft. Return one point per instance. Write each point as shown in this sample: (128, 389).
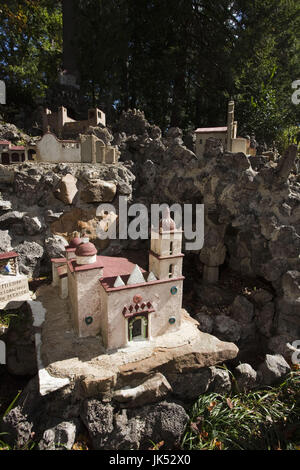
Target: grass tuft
(258, 420)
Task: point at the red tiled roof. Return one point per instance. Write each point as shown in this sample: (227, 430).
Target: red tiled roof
(4, 142)
(8, 255)
(16, 147)
(203, 130)
(114, 266)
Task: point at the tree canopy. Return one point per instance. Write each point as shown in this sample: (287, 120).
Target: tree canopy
(180, 61)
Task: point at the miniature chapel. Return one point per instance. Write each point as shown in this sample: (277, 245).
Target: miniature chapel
(118, 299)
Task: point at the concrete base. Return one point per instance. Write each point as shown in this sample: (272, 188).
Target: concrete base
(95, 372)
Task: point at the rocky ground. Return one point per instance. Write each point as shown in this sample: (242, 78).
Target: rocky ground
(252, 236)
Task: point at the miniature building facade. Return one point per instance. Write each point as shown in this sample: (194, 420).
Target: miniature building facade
(63, 126)
(15, 153)
(87, 149)
(227, 135)
(13, 285)
(116, 298)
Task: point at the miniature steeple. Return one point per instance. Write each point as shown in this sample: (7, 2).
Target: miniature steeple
(165, 257)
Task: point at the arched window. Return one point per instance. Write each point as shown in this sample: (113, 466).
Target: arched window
(171, 270)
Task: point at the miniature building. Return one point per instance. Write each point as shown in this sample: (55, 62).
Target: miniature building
(118, 299)
(87, 149)
(227, 135)
(13, 285)
(63, 126)
(15, 153)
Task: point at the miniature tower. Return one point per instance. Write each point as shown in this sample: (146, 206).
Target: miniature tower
(165, 257)
(84, 272)
(230, 125)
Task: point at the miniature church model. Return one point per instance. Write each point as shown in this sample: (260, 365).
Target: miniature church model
(116, 298)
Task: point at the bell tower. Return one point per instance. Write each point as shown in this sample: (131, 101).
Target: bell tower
(165, 257)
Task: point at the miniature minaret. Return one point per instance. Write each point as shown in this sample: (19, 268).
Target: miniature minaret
(165, 257)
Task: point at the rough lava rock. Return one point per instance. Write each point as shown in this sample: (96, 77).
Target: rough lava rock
(273, 369)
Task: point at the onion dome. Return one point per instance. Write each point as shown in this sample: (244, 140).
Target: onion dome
(75, 242)
(86, 249)
(167, 223)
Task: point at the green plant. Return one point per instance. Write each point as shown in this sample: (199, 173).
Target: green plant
(3, 445)
(264, 419)
(5, 317)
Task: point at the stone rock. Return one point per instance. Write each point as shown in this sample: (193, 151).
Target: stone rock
(67, 189)
(51, 216)
(61, 437)
(99, 421)
(189, 386)
(20, 345)
(55, 246)
(274, 269)
(213, 295)
(12, 133)
(206, 322)
(30, 258)
(285, 243)
(5, 241)
(33, 225)
(133, 429)
(10, 218)
(102, 133)
(213, 147)
(265, 319)
(133, 122)
(174, 135)
(283, 345)
(220, 382)
(151, 390)
(227, 329)
(163, 422)
(17, 428)
(242, 310)
(79, 220)
(287, 316)
(5, 205)
(286, 163)
(245, 377)
(261, 297)
(98, 191)
(273, 369)
(291, 285)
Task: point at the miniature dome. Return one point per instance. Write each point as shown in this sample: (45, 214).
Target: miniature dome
(75, 242)
(167, 223)
(86, 249)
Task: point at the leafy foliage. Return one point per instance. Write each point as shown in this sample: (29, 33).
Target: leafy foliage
(264, 419)
(30, 50)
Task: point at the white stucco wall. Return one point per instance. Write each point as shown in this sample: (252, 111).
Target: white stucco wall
(51, 150)
(239, 145)
(161, 268)
(89, 303)
(164, 303)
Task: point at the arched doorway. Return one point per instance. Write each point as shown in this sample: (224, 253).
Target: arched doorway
(5, 159)
(138, 328)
